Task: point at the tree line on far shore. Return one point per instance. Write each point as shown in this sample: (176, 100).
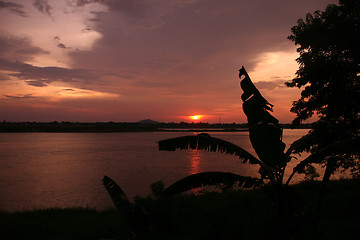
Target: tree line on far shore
(124, 126)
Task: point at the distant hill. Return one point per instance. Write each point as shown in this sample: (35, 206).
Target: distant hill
(148, 121)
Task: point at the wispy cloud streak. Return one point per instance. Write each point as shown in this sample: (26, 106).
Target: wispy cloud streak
(14, 8)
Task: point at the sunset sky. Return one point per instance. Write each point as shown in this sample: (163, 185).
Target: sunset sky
(129, 60)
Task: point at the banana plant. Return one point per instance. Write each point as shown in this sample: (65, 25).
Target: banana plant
(266, 138)
(265, 135)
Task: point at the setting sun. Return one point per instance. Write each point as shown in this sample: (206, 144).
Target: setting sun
(196, 117)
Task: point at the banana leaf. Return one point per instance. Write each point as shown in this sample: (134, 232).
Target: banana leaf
(302, 144)
(204, 141)
(256, 111)
(134, 216)
(250, 91)
(266, 140)
(321, 154)
(211, 179)
(264, 132)
(116, 194)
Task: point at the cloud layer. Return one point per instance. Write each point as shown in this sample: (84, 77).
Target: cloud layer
(166, 59)
(13, 7)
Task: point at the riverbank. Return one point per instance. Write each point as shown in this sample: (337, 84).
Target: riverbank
(231, 215)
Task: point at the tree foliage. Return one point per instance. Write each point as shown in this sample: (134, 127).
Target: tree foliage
(329, 67)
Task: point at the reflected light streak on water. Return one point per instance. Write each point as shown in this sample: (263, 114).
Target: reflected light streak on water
(195, 162)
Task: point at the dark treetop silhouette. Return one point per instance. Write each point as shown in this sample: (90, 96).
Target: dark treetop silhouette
(329, 76)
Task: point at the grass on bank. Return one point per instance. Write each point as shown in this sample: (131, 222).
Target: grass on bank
(244, 214)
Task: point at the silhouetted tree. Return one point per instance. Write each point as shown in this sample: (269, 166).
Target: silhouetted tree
(329, 67)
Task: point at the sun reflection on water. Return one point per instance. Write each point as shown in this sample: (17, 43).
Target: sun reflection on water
(195, 162)
(195, 167)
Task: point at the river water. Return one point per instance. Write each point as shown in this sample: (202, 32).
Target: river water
(43, 170)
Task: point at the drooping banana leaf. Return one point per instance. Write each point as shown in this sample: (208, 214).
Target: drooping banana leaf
(321, 154)
(134, 216)
(116, 194)
(211, 179)
(302, 144)
(336, 147)
(204, 141)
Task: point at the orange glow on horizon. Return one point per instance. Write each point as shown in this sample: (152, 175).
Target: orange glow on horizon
(195, 117)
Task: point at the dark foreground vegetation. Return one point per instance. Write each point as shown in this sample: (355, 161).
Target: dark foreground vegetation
(244, 214)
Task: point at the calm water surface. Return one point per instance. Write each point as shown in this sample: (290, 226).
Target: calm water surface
(42, 170)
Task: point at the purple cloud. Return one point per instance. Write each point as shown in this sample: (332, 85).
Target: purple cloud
(269, 85)
(41, 76)
(13, 7)
(57, 39)
(19, 96)
(81, 3)
(61, 45)
(18, 48)
(43, 6)
(37, 83)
